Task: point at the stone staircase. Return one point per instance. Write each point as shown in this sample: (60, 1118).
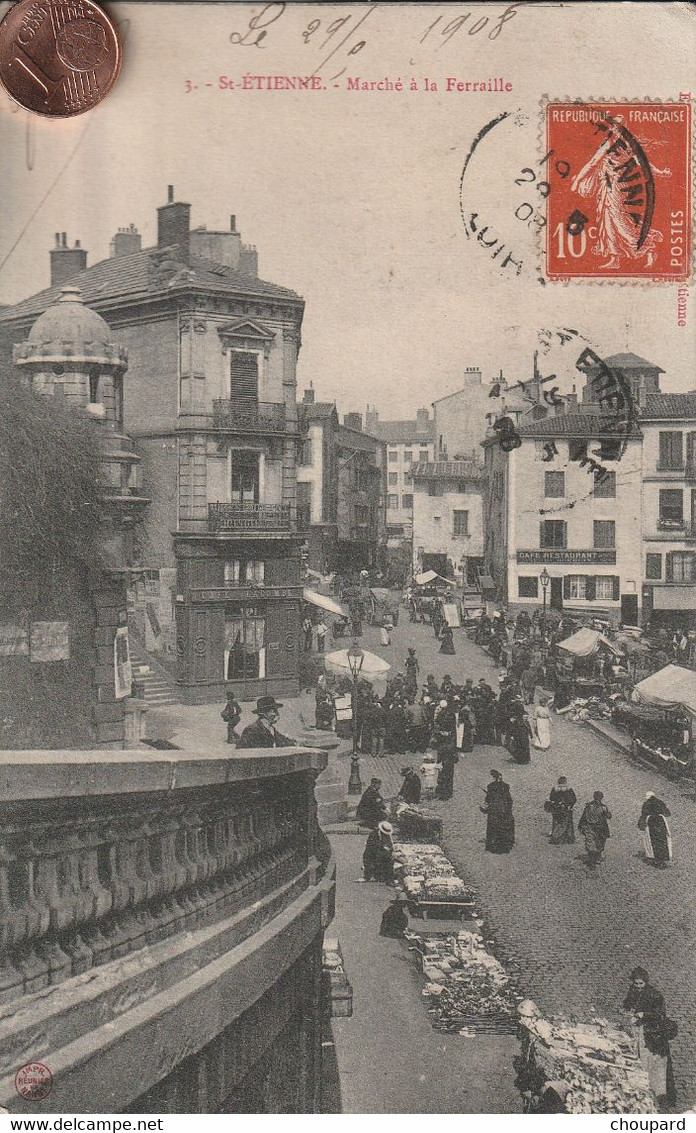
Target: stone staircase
(158, 689)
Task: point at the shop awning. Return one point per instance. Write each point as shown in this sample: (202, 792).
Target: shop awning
(323, 602)
(670, 687)
(674, 598)
(586, 642)
(430, 576)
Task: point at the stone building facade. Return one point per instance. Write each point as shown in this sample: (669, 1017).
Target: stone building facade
(210, 402)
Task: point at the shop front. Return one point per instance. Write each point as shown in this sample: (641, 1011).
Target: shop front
(672, 606)
(238, 621)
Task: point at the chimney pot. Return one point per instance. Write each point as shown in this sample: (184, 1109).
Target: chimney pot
(64, 239)
(57, 239)
(233, 223)
(77, 243)
(170, 194)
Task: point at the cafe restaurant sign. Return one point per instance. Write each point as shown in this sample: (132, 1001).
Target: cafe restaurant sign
(570, 558)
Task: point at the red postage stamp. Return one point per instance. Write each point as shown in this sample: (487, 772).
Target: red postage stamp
(619, 190)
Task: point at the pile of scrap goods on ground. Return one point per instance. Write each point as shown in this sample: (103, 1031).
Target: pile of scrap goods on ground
(596, 1062)
(428, 878)
(469, 989)
(417, 822)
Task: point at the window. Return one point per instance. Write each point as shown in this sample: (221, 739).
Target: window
(577, 449)
(362, 515)
(93, 387)
(118, 401)
(408, 456)
(609, 449)
(576, 586)
(604, 533)
(553, 533)
(423, 455)
(244, 376)
(606, 588)
(434, 489)
(461, 487)
(528, 586)
(604, 485)
(393, 479)
(244, 486)
(306, 455)
(407, 500)
(653, 566)
(393, 456)
(461, 523)
(392, 501)
(671, 507)
(245, 648)
(248, 572)
(681, 566)
(671, 451)
(554, 485)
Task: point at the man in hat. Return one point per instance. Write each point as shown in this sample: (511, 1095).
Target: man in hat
(395, 917)
(371, 809)
(378, 855)
(263, 732)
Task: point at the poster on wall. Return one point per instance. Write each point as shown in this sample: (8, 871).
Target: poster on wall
(14, 641)
(123, 673)
(49, 641)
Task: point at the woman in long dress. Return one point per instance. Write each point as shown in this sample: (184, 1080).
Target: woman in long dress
(519, 732)
(542, 722)
(594, 827)
(561, 802)
(653, 1032)
(447, 638)
(465, 729)
(500, 822)
(656, 834)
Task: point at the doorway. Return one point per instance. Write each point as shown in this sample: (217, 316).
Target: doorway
(629, 609)
(556, 601)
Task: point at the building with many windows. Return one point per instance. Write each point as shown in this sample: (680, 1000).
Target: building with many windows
(668, 424)
(210, 403)
(448, 520)
(408, 443)
(341, 482)
(609, 515)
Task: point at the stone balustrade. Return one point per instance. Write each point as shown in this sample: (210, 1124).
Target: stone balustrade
(115, 863)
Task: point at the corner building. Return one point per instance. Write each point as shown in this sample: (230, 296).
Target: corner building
(210, 403)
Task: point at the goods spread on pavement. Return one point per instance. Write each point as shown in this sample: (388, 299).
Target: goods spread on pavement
(471, 993)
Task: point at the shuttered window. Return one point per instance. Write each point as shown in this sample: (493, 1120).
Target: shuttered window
(553, 533)
(244, 376)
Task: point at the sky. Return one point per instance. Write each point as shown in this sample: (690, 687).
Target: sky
(352, 198)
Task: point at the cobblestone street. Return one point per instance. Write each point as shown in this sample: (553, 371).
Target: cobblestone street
(574, 934)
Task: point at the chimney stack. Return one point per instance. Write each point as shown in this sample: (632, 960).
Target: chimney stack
(422, 420)
(66, 262)
(353, 421)
(125, 242)
(371, 419)
(174, 226)
(308, 395)
(233, 223)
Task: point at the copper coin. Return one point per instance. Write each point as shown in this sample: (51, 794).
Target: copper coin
(58, 57)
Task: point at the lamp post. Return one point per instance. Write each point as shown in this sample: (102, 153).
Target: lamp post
(545, 579)
(355, 662)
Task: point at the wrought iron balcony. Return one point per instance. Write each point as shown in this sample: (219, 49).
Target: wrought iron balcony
(248, 417)
(248, 517)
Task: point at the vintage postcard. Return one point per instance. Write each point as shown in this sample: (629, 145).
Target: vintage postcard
(348, 575)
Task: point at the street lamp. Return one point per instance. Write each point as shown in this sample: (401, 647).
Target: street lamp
(355, 663)
(545, 579)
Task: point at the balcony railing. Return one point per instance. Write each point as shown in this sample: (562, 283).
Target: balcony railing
(248, 517)
(249, 417)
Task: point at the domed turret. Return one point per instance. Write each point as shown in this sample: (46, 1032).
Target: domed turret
(69, 332)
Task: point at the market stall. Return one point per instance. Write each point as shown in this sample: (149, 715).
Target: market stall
(429, 880)
(663, 721)
(469, 990)
(589, 1067)
(384, 607)
(588, 664)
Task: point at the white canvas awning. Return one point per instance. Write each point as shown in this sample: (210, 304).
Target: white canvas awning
(323, 602)
(669, 687)
(586, 642)
(430, 576)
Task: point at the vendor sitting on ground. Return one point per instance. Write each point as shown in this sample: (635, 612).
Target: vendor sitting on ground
(371, 809)
(378, 855)
(395, 918)
(411, 787)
